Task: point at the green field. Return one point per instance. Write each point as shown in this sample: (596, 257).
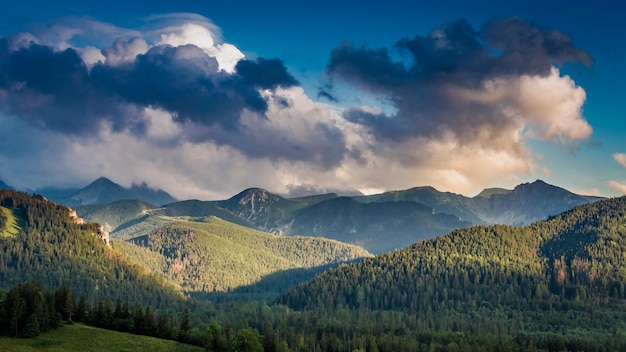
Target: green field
(12, 227)
(78, 337)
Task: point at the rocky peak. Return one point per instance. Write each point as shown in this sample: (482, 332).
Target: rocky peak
(74, 217)
(104, 235)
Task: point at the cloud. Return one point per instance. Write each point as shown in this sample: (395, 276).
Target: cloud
(465, 81)
(620, 158)
(619, 187)
(460, 91)
(174, 105)
(81, 92)
(53, 89)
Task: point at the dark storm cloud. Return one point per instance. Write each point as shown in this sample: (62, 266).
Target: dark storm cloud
(53, 90)
(265, 73)
(56, 90)
(419, 75)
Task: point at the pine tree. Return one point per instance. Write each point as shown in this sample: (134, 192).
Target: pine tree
(184, 328)
(164, 327)
(17, 309)
(31, 329)
(70, 305)
(81, 309)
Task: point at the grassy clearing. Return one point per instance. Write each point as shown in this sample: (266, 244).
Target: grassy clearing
(12, 227)
(78, 337)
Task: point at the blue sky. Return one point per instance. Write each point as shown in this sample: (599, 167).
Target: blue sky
(412, 94)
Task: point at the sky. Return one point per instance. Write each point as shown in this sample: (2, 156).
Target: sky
(204, 99)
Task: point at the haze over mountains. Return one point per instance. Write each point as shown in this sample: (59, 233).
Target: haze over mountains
(378, 223)
(103, 191)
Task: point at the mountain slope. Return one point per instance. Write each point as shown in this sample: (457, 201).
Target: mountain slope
(4, 185)
(214, 255)
(440, 202)
(57, 249)
(379, 225)
(113, 215)
(267, 211)
(571, 261)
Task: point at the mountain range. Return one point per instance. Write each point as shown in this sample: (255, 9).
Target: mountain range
(556, 284)
(378, 223)
(4, 185)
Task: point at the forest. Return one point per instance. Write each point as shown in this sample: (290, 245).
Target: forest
(554, 285)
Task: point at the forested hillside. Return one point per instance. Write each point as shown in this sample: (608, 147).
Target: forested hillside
(565, 275)
(216, 256)
(52, 247)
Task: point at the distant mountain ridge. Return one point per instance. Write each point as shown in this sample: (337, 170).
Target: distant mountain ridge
(379, 223)
(4, 185)
(103, 191)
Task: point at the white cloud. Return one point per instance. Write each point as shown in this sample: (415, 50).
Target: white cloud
(122, 51)
(226, 54)
(620, 158)
(91, 56)
(619, 187)
(544, 107)
(588, 192)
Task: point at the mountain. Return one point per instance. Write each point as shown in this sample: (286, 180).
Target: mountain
(267, 211)
(526, 203)
(4, 185)
(194, 249)
(43, 241)
(440, 202)
(212, 255)
(103, 190)
(381, 226)
(379, 223)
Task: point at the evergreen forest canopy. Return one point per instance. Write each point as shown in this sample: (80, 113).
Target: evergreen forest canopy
(55, 249)
(212, 255)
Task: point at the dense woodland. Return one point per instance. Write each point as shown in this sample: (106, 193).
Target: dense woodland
(555, 285)
(57, 250)
(212, 255)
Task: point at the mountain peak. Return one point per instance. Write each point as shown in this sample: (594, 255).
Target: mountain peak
(255, 193)
(102, 182)
(489, 192)
(540, 186)
(103, 190)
